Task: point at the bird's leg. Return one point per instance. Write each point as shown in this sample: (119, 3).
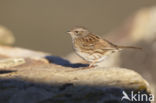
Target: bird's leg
(91, 65)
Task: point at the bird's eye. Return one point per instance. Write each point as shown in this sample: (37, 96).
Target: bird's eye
(76, 31)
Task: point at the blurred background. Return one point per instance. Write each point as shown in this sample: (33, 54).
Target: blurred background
(42, 24)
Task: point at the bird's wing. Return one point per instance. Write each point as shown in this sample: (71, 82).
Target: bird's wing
(105, 45)
(100, 43)
(96, 43)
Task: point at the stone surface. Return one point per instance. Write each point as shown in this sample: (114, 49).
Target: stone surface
(37, 81)
(6, 36)
(92, 77)
(11, 62)
(15, 52)
(30, 95)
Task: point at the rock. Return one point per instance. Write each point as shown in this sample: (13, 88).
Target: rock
(11, 62)
(39, 82)
(16, 52)
(30, 95)
(91, 77)
(6, 36)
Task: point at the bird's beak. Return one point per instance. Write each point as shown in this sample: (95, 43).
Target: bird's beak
(69, 32)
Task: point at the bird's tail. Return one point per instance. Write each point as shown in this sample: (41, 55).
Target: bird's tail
(129, 47)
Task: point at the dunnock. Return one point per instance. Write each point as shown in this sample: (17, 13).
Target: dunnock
(91, 47)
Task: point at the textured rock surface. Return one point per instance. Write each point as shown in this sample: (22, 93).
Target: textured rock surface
(14, 52)
(11, 62)
(6, 36)
(37, 81)
(92, 77)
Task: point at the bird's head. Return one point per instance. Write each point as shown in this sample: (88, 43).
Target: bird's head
(78, 32)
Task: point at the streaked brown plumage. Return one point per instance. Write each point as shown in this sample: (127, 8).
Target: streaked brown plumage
(91, 47)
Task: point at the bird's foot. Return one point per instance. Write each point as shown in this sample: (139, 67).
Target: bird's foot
(91, 66)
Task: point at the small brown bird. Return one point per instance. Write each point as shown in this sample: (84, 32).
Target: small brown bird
(92, 48)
